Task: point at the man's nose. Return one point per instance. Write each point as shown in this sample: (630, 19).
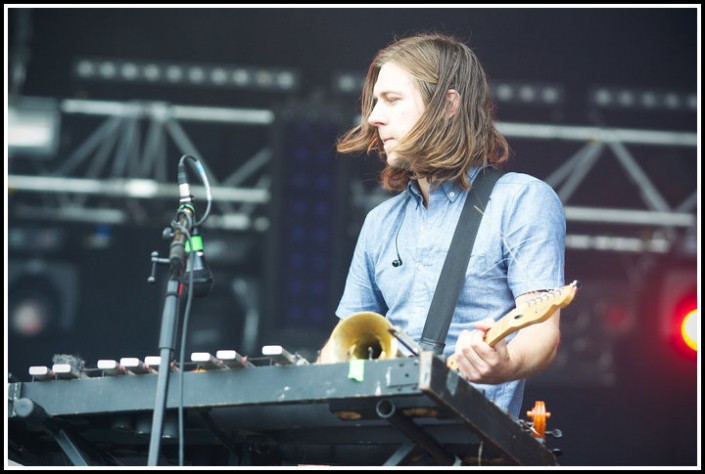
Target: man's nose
(377, 117)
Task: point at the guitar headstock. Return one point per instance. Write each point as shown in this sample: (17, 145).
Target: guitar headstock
(541, 307)
(533, 311)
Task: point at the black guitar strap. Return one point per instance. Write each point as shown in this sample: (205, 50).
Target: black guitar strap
(456, 263)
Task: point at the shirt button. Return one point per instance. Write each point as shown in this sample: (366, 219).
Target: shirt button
(423, 228)
(452, 194)
(419, 266)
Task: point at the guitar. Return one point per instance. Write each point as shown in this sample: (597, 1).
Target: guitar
(534, 311)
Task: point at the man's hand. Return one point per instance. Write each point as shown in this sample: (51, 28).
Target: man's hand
(480, 363)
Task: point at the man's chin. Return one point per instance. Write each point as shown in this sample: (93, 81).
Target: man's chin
(394, 162)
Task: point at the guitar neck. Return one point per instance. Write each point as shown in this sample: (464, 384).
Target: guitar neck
(502, 328)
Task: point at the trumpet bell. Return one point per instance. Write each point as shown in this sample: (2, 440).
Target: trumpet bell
(363, 335)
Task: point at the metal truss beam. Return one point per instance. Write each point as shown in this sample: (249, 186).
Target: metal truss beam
(140, 173)
(130, 188)
(597, 134)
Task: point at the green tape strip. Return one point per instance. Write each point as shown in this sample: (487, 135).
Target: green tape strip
(356, 369)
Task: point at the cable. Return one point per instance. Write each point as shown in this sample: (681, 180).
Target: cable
(182, 352)
(399, 262)
(183, 181)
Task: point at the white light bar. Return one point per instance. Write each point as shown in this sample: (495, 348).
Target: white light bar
(629, 216)
(134, 188)
(230, 76)
(527, 93)
(616, 244)
(642, 99)
(162, 111)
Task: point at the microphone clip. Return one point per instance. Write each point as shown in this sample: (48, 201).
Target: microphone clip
(197, 270)
(180, 227)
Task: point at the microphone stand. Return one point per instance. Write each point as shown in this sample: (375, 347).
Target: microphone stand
(170, 313)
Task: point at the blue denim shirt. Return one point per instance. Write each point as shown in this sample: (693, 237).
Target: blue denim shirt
(520, 247)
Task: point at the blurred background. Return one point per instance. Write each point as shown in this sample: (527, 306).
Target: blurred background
(103, 102)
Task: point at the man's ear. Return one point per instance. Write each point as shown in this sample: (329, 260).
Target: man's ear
(453, 102)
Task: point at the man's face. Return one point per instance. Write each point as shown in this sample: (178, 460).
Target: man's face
(398, 105)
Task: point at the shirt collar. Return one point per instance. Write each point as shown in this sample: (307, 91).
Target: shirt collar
(450, 189)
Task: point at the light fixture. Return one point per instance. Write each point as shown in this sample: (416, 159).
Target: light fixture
(348, 83)
(33, 127)
(277, 79)
(522, 93)
(629, 98)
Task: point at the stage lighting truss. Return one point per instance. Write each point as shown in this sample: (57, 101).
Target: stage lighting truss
(138, 172)
(138, 137)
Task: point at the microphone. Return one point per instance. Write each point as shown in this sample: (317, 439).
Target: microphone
(185, 196)
(196, 265)
(184, 217)
(202, 275)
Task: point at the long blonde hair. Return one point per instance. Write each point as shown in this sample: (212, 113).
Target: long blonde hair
(440, 147)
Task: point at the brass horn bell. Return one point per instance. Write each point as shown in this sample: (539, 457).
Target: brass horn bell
(363, 335)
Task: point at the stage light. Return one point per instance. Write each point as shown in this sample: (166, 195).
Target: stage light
(642, 99)
(274, 79)
(344, 82)
(684, 323)
(527, 93)
(32, 311)
(33, 127)
(690, 329)
(679, 312)
(42, 296)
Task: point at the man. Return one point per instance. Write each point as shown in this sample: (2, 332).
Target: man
(428, 112)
